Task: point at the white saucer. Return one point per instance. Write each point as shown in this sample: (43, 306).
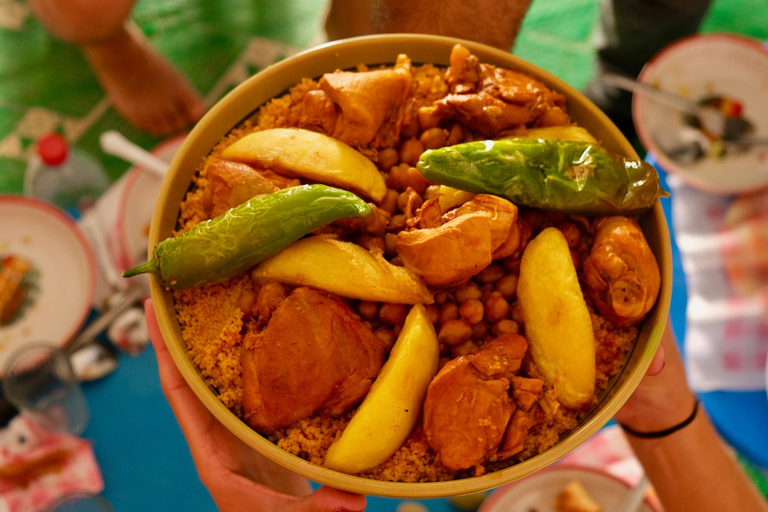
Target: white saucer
(538, 491)
(60, 300)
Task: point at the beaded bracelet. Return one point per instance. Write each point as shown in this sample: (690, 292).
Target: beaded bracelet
(667, 431)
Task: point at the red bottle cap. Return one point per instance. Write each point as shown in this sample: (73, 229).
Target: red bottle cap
(52, 149)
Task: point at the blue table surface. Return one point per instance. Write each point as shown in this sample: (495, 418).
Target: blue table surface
(146, 463)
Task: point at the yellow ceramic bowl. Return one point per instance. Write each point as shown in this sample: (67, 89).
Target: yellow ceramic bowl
(244, 101)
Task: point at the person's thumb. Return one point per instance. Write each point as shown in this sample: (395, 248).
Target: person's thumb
(326, 499)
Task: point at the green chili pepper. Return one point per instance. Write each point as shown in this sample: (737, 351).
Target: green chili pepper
(233, 242)
(568, 176)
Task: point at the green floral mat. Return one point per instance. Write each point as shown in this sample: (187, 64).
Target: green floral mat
(46, 85)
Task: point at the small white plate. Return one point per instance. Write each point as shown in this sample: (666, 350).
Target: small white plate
(695, 67)
(60, 300)
(137, 203)
(538, 491)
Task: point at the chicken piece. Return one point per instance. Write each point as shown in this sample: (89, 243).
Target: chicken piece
(231, 184)
(621, 274)
(481, 112)
(514, 436)
(468, 405)
(315, 355)
(428, 216)
(491, 100)
(360, 108)
(526, 392)
(269, 297)
(375, 223)
(470, 237)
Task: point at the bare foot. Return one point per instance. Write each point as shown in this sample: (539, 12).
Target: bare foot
(144, 87)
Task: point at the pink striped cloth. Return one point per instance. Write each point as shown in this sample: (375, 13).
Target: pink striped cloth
(39, 467)
(723, 244)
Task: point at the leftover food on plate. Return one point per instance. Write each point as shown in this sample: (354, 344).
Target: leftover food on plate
(17, 276)
(575, 498)
(412, 273)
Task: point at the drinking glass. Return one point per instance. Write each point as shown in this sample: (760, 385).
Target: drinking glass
(39, 380)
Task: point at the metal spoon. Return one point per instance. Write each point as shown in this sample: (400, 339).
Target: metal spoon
(714, 121)
(93, 361)
(683, 144)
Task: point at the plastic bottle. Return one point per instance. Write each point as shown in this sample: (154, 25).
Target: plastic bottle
(67, 178)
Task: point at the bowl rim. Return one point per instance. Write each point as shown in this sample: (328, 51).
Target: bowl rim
(166, 314)
(638, 101)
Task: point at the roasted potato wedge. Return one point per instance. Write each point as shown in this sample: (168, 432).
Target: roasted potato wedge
(298, 153)
(557, 322)
(343, 268)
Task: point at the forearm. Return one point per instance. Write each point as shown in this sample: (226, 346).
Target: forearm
(493, 22)
(692, 470)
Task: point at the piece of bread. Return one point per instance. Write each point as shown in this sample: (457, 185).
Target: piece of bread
(575, 498)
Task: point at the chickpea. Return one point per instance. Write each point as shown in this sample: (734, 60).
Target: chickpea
(368, 324)
(369, 242)
(480, 331)
(496, 307)
(427, 117)
(490, 274)
(393, 314)
(464, 349)
(410, 126)
(505, 326)
(405, 197)
(471, 310)
(486, 291)
(434, 138)
(571, 233)
(410, 151)
(454, 332)
(389, 203)
(368, 310)
(471, 291)
(512, 264)
(441, 297)
(444, 349)
(394, 179)
(433, 313)
(388, 158)
(414, 179)
(431, 192)
(397, 260)
(387, 337)
(397, 222)
(533, 217)
(390, 243)
(507, 286)
(448, 312)
(246, 301)
(515, 313)
(456, 136)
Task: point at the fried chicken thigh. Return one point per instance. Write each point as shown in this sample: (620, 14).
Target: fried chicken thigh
(360, 108)
(470, 237)
(315, 355)
(490, 100)
(468, 405)
(231, 184)
(621, 274)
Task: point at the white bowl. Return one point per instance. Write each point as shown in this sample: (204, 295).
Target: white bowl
(696, 67)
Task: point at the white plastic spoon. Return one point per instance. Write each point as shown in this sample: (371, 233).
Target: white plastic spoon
(114, 143)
